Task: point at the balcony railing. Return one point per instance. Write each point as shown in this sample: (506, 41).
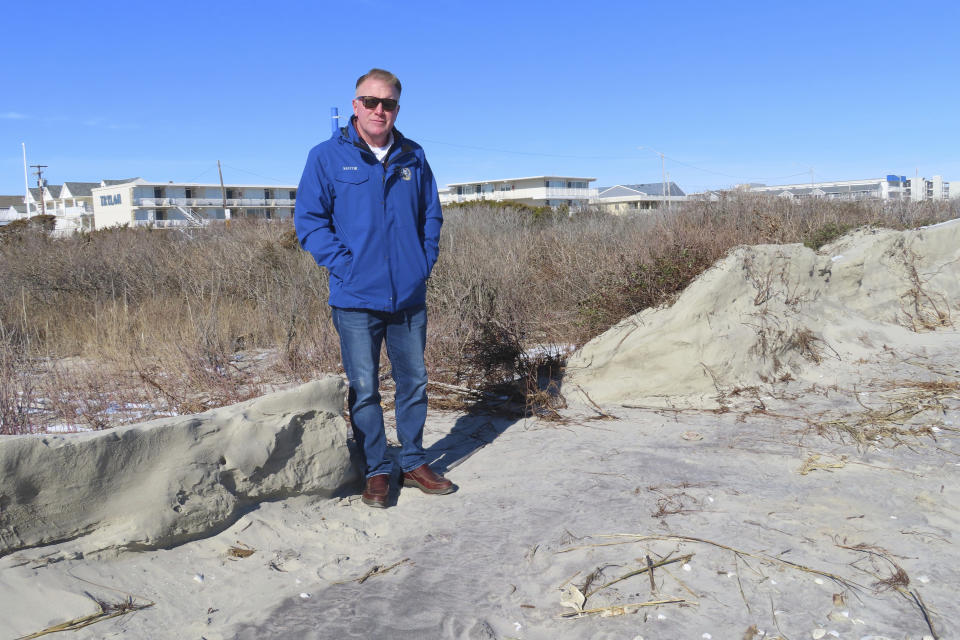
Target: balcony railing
(67, 212)
(213, 202)
(532, 193)
(75, 212)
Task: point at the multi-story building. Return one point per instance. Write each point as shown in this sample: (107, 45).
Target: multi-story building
(889, 188)
(549, 191)
(71, 203)
(625, 198)
(140, 203)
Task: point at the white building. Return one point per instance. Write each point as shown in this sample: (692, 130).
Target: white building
(625, 198)
(538, 191)
(71, 203)
(11, 208)
(140, 203)
(890, 188)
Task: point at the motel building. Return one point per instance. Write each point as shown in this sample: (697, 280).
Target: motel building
(139, 203)
(538, 191)
(892, 187)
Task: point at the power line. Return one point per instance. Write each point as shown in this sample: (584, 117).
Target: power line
(727, 175)
(581, 157)
(528, 153)
(194, 179)
(257, 174)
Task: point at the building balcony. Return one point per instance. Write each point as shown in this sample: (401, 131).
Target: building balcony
(532, 193)
(213, 202)
(65, 212)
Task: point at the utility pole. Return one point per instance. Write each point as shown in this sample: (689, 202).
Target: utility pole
(663, 175)
(223, 194)
(40, 168)
(669, 201)
(26, 180)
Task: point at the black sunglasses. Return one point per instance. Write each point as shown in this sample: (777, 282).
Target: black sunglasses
(369, 102)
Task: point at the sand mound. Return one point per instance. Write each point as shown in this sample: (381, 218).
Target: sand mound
(167, 481)
(775, 312)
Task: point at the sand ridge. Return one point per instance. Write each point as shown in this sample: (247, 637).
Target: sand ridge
(168, 481)
(773, 312)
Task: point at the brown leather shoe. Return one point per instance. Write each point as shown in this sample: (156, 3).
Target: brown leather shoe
(424, 478)
(376, 490)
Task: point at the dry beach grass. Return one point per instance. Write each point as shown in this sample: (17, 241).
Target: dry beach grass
(114, 326)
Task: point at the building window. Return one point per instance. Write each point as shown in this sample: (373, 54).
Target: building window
(266, 194)
(188, 193)
(158, 192)
(293, 195)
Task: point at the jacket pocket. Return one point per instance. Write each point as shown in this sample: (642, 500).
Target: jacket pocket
(352, 175)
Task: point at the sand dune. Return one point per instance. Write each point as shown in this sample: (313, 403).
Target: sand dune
(775, 312)
(168, 481)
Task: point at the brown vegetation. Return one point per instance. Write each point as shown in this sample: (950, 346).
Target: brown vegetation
(118, 325)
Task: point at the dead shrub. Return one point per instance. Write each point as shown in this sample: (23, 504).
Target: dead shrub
(183, 313)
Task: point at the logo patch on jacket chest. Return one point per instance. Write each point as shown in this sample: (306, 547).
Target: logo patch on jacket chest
(405, 173)
(349, 168)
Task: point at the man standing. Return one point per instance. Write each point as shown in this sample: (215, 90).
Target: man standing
(368, 210)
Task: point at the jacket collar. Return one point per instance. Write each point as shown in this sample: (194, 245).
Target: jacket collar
(350, 134)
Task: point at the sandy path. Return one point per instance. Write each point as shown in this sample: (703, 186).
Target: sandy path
(536, 499)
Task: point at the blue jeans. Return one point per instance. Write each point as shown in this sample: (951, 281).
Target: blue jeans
(362, 332)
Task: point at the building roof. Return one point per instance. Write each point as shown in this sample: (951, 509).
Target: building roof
(110, 183)
(648, 189)
(837, 185)
(54, 190)
(822, 190)
(140, 182)
(11, 201)
(78, 189)
(579, 178)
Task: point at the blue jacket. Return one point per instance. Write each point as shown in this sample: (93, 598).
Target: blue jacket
(374, 225)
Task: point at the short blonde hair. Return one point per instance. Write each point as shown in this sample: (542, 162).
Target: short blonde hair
(380, 74)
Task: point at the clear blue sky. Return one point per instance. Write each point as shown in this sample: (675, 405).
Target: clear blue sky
(730, 92)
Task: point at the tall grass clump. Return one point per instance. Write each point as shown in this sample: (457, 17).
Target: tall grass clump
(108, 326)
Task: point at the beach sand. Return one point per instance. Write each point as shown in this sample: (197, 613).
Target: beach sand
(817, 504)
